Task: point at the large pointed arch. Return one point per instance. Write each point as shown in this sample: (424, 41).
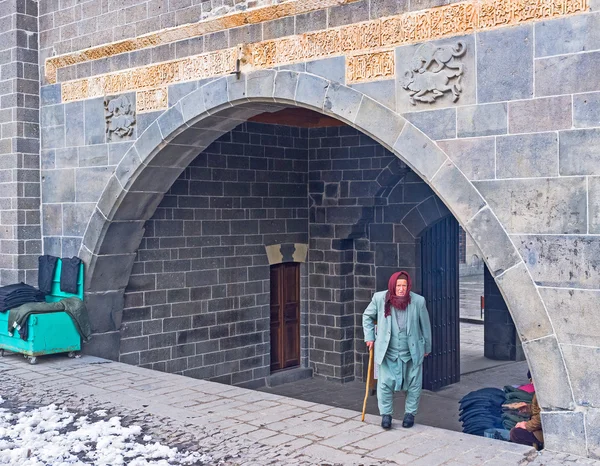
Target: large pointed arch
(169, 144)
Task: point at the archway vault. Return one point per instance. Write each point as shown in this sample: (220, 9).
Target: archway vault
(169, 144)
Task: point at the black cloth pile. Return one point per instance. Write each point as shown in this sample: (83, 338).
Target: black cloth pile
(15, 295)
(481, 410)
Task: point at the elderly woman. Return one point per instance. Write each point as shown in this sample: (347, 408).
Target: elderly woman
(403, 339)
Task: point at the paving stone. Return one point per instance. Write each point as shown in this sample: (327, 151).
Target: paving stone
(548, 205)
(578, 152)
(481, 120)
(436, 124)
(563, 36)
(505, 64)
(527, 155)
(551, 113)
(475, 157)
(592, 424)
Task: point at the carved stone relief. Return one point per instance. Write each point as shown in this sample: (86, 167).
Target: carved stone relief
(152, 100)
(370, 67)
(120, 118)
(434, 71)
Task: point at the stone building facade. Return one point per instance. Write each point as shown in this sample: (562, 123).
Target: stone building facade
(115, 114)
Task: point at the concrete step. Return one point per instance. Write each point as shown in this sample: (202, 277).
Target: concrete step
(289, 375)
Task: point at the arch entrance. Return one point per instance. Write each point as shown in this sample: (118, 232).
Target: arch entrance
(172, 142)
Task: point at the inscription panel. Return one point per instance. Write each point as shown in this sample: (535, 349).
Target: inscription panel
(370, 67)
(152, 100)
(152, 76)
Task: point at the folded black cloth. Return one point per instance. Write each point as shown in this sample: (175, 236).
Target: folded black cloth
(17, 294)
(69, 274)
(46, 269)
(480, 410)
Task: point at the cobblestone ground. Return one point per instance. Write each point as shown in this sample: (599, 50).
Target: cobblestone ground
(235, 426)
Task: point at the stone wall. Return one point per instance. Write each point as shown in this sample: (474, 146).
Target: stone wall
(197, 302)
(20, 226)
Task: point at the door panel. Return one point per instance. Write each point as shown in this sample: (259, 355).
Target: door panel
(439, 265)
(285, 316)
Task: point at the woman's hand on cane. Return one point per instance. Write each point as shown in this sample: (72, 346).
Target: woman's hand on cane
(370, 344)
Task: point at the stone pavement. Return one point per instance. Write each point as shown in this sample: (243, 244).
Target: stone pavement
(237, 426)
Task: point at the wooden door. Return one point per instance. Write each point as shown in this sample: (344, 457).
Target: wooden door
(285, 316)
(439, 265)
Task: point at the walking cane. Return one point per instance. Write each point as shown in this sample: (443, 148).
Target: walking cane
(369, 372)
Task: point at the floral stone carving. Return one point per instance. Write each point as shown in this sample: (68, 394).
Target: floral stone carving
(434, 71)
(120, 117)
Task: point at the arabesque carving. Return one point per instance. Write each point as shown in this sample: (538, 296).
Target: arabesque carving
(152, 100)
(420, 26)
(434, 71)
(370, 67)
(152, 76)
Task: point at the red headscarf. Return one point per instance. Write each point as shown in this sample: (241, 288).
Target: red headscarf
(399, 302)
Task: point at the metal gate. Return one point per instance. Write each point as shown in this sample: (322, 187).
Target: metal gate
(439, 266)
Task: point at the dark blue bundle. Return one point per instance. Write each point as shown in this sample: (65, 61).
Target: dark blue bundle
(481, 410)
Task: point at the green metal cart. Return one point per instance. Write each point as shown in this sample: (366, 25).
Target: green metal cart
(49, 333)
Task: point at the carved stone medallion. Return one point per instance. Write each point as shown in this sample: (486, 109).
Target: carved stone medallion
(120, 118)
(434, 71)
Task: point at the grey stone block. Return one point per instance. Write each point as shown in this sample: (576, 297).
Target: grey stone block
(192, 106)
(313, 21)
(198, 138)
(149, 142)
(93, 156)
(405, 58)
(245, 34)
(122, 237)
(379, 122)
(549, 373)
(527, 155)
(236, 88)
(592, 424)
(58, 185)
(569, 310)
(382, 91)
(474, 157)
(278, 28)
(349, 13)
(524, 303)
(105, 310)
(138, 206)
(436, 124)
(342, 102)
(549, 205)
(489, 235)
(481, 120)
(50, 95)
(178, 91)
(537, 115)
(285, 86)
(579, 152)
(94, 122)
(52, 115)
(594, 204)
(53, 137)
(332, 69)
(74, 130)
(66, 158)
(586, 110)
(505, 64)
(215, 95)
(104, 345)
(128, 167)
(565, 432)
(155, 179)
(116, 151)
(75, 218)
(585, 375)
(568, 74)
(259, 84)
(90, 182)
(381, 8)
(171, 123)
(562, 36)
(419, 152)
(557, 260)
(311, 91)
(175, 156)
(108, 272)
(52, 219)
(458, 193)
